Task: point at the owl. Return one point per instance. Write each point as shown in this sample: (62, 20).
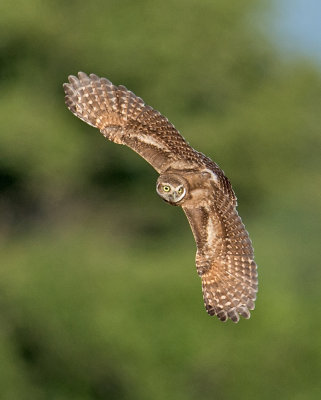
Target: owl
(188, 179)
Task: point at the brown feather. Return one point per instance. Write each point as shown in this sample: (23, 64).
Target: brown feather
(224, 257)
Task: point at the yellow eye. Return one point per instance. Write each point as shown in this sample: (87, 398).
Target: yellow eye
(166, 188)
(180, 190)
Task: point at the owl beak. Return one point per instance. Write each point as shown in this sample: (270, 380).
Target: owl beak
(176, 197)
(172, 199)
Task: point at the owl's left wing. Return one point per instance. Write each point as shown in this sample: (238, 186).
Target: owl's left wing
(124, 118)
(224, 257)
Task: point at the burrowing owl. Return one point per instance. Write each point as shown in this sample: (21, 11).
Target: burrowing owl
(224, 257)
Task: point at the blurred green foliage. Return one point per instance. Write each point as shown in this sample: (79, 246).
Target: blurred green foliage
(99, 298)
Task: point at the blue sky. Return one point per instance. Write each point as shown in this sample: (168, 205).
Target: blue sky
(298, 26)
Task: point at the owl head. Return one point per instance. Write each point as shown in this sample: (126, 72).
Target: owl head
(172, 188)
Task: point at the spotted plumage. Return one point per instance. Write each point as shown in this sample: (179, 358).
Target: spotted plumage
(224, 257)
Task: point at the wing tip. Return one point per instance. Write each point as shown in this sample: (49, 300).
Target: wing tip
(76, 81)
(83, 77)
(73, 80)
(233, 314)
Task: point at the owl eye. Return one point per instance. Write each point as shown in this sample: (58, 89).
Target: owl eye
(166, 188)
(180, 190)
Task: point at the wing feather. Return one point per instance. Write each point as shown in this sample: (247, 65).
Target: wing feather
(124, 118)
(224, 258)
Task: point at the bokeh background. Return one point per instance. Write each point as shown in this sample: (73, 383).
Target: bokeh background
(99, 297)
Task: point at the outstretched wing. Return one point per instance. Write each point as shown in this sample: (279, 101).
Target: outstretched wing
(123, 118)
(224, 258)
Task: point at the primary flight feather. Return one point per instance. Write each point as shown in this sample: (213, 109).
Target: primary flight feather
(224, 256)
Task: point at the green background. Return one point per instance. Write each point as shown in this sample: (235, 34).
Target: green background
(99, 296)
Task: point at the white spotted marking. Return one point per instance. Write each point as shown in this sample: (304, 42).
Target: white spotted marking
(211, 233)
(148, 139)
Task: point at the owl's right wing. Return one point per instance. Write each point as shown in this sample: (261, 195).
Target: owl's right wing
(224, 258)
(124, 118)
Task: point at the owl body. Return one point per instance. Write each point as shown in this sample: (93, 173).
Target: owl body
(224, 256)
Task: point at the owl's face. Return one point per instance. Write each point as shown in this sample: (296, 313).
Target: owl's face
(171, 188)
